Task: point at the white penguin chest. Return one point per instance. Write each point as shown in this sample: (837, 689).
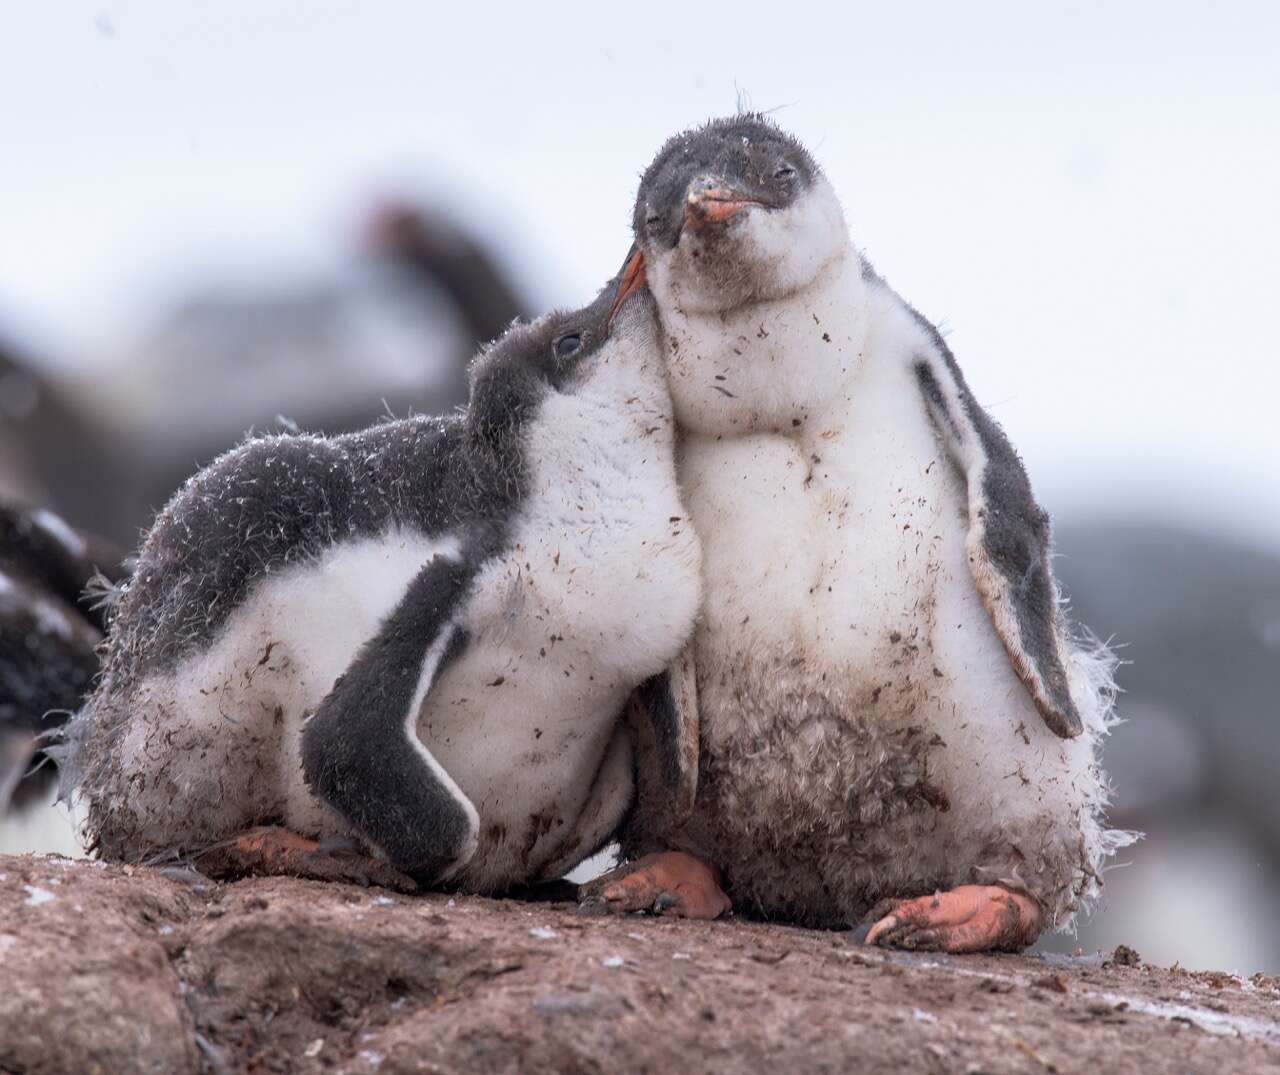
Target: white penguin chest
(825, 545)
(596, 591)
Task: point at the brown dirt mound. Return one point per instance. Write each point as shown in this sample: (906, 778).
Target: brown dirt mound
(115, 970)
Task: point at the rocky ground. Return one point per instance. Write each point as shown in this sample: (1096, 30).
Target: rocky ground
(116, 970)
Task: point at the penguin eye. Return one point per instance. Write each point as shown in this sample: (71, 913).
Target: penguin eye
(567, 345)
(784, 171)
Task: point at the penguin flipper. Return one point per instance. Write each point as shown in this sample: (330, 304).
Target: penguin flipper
(361, 753)
(1008, 544)
(664, 714)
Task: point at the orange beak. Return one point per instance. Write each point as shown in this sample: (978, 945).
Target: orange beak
(713, 207)
(633, 279)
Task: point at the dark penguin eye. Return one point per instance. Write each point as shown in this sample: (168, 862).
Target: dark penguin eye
(784, 171)
(566, 345)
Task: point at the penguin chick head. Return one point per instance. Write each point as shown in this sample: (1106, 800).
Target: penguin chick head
(735, 212)
(597, 352)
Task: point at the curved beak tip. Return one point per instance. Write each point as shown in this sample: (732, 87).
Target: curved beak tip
(633, 279)
(714, 206)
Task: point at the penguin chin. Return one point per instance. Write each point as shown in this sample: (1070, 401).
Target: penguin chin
(757, 255)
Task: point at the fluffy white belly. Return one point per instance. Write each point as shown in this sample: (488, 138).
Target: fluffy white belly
(855, 700)
(214, 744)
(524, 726)
(585, 607)
(523, 721)
(804, 553)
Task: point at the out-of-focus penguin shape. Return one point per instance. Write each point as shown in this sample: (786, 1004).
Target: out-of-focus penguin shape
(49, 631)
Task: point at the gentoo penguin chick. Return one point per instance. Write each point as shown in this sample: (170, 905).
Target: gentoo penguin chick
(49, 633)
(420, 637)
(892, 703)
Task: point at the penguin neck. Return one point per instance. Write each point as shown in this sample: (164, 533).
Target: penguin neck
(612, 433)
(770, 366)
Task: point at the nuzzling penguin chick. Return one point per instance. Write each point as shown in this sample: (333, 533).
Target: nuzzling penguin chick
(421, 636)
(892, 702)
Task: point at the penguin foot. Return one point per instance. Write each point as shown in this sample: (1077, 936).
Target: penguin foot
(671, 882)
(272, 851)
(970, 918)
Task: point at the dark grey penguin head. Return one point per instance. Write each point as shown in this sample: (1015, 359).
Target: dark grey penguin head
(732, 212)
(597, 352)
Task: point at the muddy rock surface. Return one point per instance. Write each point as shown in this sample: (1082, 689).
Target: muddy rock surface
(113, 969)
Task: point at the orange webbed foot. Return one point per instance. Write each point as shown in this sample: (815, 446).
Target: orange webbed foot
(274, 851)
(970, 918)
(670, 882)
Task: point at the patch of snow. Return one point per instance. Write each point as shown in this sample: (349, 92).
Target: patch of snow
(373, 1059)
(681, 955)
(165, 931)
(37, 895)
(922, 1016)
(638, 937)
(1213, 1022)
(5, 585)
(544, 933)
(612, 961)
(382, 901)
(452, 903)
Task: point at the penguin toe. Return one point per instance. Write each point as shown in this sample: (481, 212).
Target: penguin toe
(671, 882)
(274, 851)
(970, 918)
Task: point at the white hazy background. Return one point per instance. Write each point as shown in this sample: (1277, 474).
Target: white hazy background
(1085, 199)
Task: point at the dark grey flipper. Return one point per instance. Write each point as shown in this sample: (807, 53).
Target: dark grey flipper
(1009, 541)
(361, 753)
(664, 714)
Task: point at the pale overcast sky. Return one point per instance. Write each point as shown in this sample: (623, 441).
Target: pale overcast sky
(1086, 200)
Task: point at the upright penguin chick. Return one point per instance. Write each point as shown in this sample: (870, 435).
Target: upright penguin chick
(421, 636)
(892, 702)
